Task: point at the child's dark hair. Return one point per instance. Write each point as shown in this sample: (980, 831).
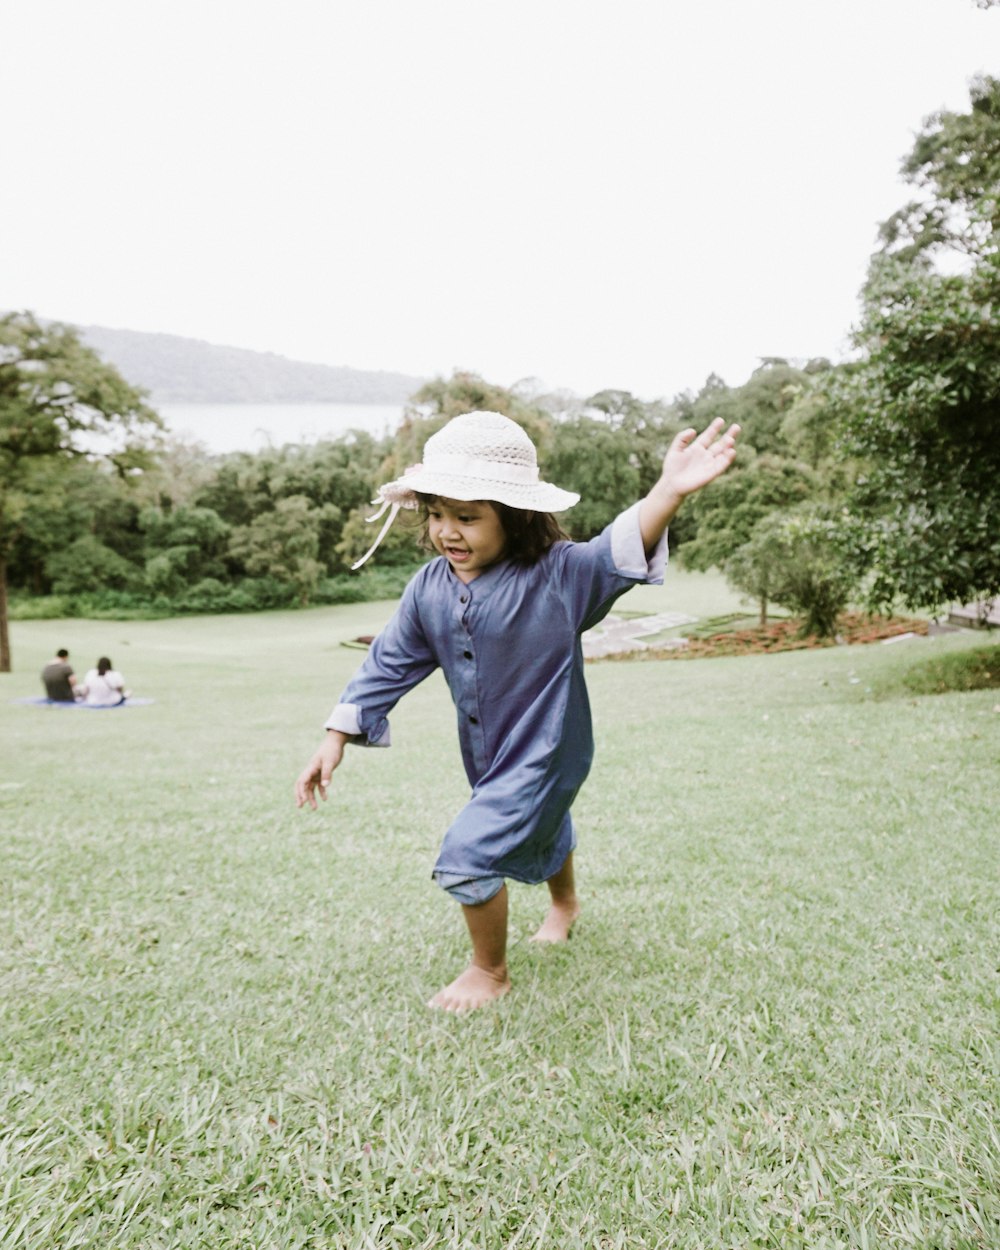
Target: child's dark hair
(529, 534)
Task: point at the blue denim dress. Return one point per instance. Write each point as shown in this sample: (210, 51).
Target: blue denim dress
(509, 646)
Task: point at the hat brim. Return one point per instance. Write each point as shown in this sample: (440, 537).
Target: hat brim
(534, 496)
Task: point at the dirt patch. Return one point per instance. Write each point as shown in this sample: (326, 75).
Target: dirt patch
(853, 628)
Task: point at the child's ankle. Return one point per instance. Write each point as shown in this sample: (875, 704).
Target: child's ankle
(497, 971)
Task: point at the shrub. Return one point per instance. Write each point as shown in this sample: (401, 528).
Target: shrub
(252, 594)
(794, 558)
(211, 595)
(88, 565)
(208, 595)
(978, 669)
(364, 587)
(41, 607)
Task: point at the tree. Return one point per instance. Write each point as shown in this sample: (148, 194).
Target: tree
(82, 500)
(59, 403)
(922, 406)
(181, 471)
(598, 463)
(284, 544)
(87, 564)
(758, 406)
(439, 400)
(794, 559)
(400, 548)
(754, 567)
(336, 476)
(184, 546)
(647, 428)
(806, 431)
(728, 514)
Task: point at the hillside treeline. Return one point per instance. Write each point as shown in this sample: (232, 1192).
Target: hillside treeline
(197, 532)
(179, 370)
(876, 479)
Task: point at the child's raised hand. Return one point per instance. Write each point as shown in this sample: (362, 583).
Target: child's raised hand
(316, 774)
(695, 459)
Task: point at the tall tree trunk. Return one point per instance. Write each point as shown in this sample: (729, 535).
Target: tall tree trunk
(763, 611)
(4, 635)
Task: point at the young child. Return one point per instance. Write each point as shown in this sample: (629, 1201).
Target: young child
(501, 612)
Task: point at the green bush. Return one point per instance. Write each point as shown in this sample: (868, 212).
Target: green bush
(252, 594)
(211, 596)
(793, 559)
(364, 587)
(97, 605)
(42, 607)
(208, 595)
(87, 564)
(978, 669)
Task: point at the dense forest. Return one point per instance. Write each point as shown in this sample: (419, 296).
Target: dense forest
(876, 479)
(197, 532)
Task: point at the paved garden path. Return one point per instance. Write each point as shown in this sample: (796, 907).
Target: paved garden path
(986, 613)
(616, 633)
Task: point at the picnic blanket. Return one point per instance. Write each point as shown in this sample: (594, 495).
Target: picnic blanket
(41, 701)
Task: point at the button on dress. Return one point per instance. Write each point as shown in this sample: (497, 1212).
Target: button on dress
(509, 646)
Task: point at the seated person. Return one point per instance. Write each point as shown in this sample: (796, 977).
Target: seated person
(57, 676)
(104, 686)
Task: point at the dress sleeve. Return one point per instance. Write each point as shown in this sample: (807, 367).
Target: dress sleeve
(591, 576)
(399, 659)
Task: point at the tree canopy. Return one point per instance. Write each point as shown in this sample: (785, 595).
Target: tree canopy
(59, 403)
(921, 408)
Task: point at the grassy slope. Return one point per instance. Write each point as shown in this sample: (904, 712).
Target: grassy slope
(702, 595)
(776, 1024)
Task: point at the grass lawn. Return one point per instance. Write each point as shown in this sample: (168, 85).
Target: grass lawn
(703, 595)
(776, 1024)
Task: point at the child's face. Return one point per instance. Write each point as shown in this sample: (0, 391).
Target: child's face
(468, 535)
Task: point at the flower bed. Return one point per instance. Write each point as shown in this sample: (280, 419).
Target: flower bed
(853, 627)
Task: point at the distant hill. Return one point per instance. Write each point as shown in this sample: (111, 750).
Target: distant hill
(189, 371)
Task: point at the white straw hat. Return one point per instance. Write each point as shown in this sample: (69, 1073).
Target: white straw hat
(479, 455)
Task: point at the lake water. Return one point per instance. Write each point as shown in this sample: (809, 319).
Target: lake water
(252, 427)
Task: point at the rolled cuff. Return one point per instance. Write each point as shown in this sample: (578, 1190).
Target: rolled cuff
(628, 552)
(469, 891)
(348, 718)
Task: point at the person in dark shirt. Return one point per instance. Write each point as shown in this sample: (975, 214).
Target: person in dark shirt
(58, 679)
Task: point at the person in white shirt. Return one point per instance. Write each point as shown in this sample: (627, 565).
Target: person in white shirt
(104, 685)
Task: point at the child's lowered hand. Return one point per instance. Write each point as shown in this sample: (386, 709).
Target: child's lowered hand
(317, 773)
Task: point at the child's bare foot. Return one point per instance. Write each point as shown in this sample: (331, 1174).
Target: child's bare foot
(474, 988)
(558, 923)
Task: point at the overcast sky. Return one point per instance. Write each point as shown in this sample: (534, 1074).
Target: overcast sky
(628, 193)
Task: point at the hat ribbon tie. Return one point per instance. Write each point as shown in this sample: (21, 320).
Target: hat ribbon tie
(393, 509)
